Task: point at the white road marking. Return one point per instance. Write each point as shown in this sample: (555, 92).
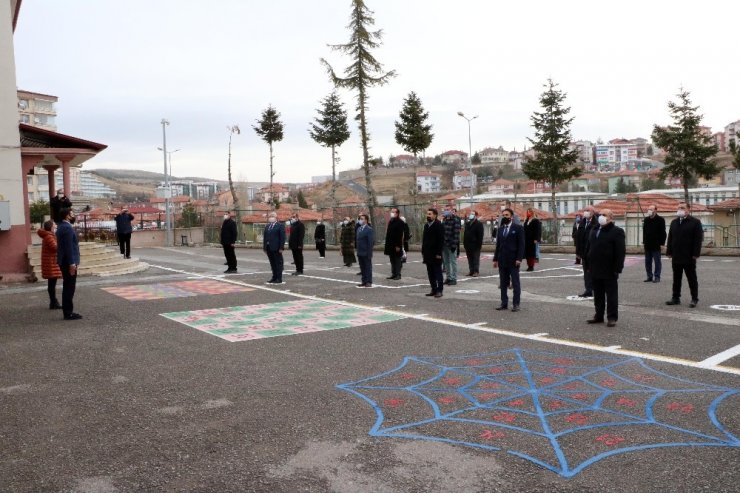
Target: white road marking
(478, 324)
(719, 358)
(502, 332)
(613, 348)
(540, 334)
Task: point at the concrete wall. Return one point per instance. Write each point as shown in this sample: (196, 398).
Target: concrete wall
(156, 237)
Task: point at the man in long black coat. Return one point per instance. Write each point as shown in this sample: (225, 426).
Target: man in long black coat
(685, 237)
(473, 242)
(319, 237)
(605, 260)
(295, 242)
(507, 258)
(653, 237)
(57, 203)
(587, 224)
(228, 242)
(394, 244)
(432, 243)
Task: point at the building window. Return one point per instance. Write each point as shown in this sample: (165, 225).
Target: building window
(30, 197)
(29, 181)
(44, 105)
(25, 119)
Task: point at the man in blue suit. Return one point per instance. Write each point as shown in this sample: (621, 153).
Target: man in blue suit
(273, 242)
(508, 257)
(365, 241)
(68, 258)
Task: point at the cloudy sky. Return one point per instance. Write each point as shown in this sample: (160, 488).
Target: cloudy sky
(119, 67)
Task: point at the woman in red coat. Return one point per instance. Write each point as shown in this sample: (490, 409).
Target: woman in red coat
(49, 267)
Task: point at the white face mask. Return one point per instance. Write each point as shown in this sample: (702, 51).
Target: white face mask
(503, 207)
(681, 213)
(287, 223)
(318, 223)
(226, 216)
(361, 221)
(273, 219)
(651, 213)
(471, 216)
(587, 214)
(393, 215)
(603, 220)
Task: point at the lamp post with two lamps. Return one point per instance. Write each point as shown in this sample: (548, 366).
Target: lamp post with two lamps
(470, 153)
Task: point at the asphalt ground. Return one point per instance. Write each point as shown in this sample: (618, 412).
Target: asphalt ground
(446, 395)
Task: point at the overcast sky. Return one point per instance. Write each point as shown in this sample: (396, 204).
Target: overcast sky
(119, 67)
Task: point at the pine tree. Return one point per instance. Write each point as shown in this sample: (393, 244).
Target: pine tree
(301, 200)
(364, 73)
(270, 129)
(413, 134)
(554, 161)
(331, 130)
(689, 151)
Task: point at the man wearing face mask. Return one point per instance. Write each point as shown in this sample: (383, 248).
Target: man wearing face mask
(365, 243)
(587, 224)
(473, 242)
(394, 244)
(295, 243)
(605, 260)
(653, 237)
(508, 257)
(574, 235)
(58, 202)
(228, 241)
(68, 259)
(273, 242)
(685, 237)
(347, 242)
(432, 245)
(319, 237)
(451, 225)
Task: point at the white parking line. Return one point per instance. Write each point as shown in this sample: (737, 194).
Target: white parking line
(719, 358)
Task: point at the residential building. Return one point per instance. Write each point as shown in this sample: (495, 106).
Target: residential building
(566, 202)
(609, 157)
(454, 157)
(731, 131)
(37, 110)
(702, 195)
(196, 190)
(501, 187)
(585, 150)
(320, 179)
(403, 161)
(627, 177)
(585, 183)
(91, 187)
(279, 192)
(491, 155)
(516, 159)
(719, 141)
(428, 182)
(464, 180)
(731, 176)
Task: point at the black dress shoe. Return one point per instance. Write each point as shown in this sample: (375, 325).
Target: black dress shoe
(230, 271)
(501, 307)
(515, 308)
(437, 295)
(693, 303)
(585, 295)
(73, 316)
(530, 269)
(391, 277)
(397, 278)
(55, 306)
(674, 301)
(296, 273)
(452, 283)
(430, 294)
(649, 279)
(359, 274)
(611, 323)
(595, 321)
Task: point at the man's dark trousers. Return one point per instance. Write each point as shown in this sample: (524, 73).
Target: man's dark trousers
(69, 282)
(473, 261)
(434, 271)
(650, 257)
(588, 283)
(690, 270)
(396, 265)
(276, 264)
(606, 290)
(230, 255)
(366, 268)
(509, 275)
(298, 259)
(124, 242)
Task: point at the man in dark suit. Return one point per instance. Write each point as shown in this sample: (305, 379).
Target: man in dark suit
(394, 243)
(653, 237)
(365, 241)
(57, 203)
(432, 244)
(228, 242)
(295, 242)
(587, 224)
(123, 231)
(319, 237)
(508, 257)
(473, 242)
(685, 237)
(68, 258)
(273, 242)
(606, 251)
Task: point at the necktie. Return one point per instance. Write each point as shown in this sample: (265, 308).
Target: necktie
(597, 232)
(506, 231)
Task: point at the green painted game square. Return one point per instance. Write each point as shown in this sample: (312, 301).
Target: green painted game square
(275, 332)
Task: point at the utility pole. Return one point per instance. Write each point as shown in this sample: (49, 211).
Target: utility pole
(168, 190)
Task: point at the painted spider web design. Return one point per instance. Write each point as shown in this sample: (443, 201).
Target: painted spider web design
(561, 412)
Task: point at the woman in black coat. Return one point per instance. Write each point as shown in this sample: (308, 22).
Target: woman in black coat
(532, 238)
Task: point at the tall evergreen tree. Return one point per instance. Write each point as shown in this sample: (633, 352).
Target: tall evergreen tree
(364, 73)
(689, 150)
(554, 161)
(270, 129)
(413, 134)
(331, 130)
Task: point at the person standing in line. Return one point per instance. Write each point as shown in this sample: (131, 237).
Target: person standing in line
(532, 239)
(273, 243)
(685, 237)
(653, 237)
(123, 231)
(68, 259)
(49, 266)
(451, 226)
(574, 236)
(365, 243)
(507, 258)
(228, 242)
(406, 238)
(57, 203)
(432, 246)
(473, 242)
(587, 224)
(606, 252)
(394, 243)
(347, 242)
(319, 237)
(295, 242)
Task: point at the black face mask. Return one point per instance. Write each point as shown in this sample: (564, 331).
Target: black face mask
(429, 219)
(72, 220)
(505, 220)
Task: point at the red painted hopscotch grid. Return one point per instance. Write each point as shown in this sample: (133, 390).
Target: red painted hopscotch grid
(179, 289)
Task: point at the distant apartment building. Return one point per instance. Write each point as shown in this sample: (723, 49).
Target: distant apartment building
(403, 160)
(428, 182)
(609, 157)
(279, 192)
(38, 110)
(196, 190)
(731, 131)
(516, 159)
(320, 179)
(719, 141)
(93, 188)
(463, 180)
(702, 195)
(501, 187)
(731, 176)
(491, 155)
(565, 202)
(454, 157)
(585, 150)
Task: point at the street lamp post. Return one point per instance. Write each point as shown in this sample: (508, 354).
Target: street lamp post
(168, 192)
(470, 154)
